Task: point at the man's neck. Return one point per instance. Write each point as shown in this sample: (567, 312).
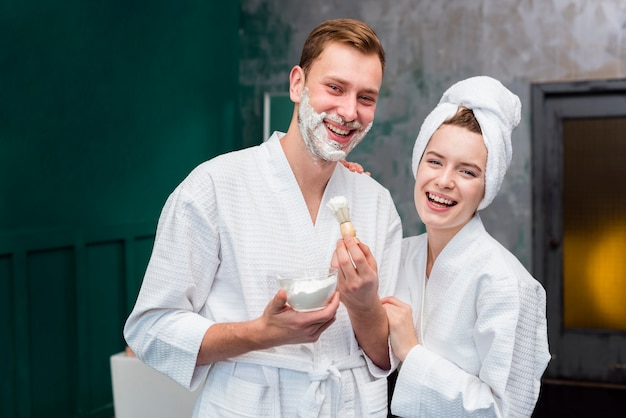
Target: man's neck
(312, 174)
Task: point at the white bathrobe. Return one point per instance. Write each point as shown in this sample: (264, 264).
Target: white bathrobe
(234, 220)
(481, 322)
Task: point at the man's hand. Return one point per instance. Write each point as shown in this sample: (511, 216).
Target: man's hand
(357, 279)
(278, 325)
(357, 282)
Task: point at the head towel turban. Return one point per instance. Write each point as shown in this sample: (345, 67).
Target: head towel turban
(498, 112)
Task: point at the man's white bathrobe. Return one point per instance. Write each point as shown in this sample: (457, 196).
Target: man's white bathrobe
(231, 223)
(481, 321)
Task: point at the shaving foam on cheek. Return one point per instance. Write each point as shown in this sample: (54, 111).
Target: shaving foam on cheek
(314, 132)
(358, 137)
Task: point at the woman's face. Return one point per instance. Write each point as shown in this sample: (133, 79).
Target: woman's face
(450, 178)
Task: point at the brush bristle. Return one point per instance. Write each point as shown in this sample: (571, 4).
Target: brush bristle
(340, 209)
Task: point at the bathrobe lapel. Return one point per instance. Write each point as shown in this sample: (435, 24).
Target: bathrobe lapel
(451, 265)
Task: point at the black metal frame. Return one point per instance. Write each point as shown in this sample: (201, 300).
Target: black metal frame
(552, 103)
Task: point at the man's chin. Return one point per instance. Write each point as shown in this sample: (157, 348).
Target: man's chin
(336, 156)
(329, 155)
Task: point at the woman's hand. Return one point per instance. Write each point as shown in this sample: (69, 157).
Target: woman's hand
(401, 328)
(354, 167)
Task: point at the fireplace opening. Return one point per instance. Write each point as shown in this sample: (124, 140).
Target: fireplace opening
(579, 227)
(594, 223)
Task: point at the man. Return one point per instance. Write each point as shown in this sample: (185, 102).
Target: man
(208, 307)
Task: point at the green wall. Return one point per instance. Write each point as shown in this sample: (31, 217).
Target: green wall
(104, 108)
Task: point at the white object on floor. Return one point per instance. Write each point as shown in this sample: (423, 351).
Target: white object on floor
(140, 391)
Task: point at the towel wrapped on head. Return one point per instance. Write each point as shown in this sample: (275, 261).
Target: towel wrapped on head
(498, 112)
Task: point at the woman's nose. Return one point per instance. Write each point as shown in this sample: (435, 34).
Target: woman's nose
(446, 179)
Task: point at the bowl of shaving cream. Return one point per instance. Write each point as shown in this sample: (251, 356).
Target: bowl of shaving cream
(309, 289)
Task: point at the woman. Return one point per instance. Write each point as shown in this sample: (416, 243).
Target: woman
(472, 338)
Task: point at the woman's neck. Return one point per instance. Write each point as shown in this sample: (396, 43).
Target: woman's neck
(437, 241)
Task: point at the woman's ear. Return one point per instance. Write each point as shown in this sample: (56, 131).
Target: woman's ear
(296, 83)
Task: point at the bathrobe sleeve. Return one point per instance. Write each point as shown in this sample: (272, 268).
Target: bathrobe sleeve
(164, 328)
(508, 381)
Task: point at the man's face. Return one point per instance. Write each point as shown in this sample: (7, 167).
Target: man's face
(337, 105)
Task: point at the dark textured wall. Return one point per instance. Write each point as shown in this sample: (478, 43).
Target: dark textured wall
(107, 105)
(430, 45)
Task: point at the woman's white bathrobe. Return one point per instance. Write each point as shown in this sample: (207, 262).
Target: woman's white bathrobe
(234, 220)
(481, 322)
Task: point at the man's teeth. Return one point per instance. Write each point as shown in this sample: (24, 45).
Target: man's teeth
(337, 130)
(441, 200)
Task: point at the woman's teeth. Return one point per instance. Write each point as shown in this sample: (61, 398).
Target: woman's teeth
(440, 200)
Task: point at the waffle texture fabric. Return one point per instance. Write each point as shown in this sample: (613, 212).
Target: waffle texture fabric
(481, 321)
(234, 221)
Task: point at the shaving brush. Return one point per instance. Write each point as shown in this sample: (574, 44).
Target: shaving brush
(341, 210)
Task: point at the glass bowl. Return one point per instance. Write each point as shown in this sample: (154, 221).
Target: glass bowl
(309, 289)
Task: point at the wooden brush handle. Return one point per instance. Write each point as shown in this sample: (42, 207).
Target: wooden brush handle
(347, 229)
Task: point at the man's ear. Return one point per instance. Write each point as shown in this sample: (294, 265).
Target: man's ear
(296, 83)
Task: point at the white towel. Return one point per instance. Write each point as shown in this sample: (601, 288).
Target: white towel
(498, 112)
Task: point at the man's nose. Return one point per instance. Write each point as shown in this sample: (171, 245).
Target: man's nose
(348, 108)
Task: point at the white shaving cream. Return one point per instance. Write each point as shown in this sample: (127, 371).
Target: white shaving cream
(315, 136)
(308, 295)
